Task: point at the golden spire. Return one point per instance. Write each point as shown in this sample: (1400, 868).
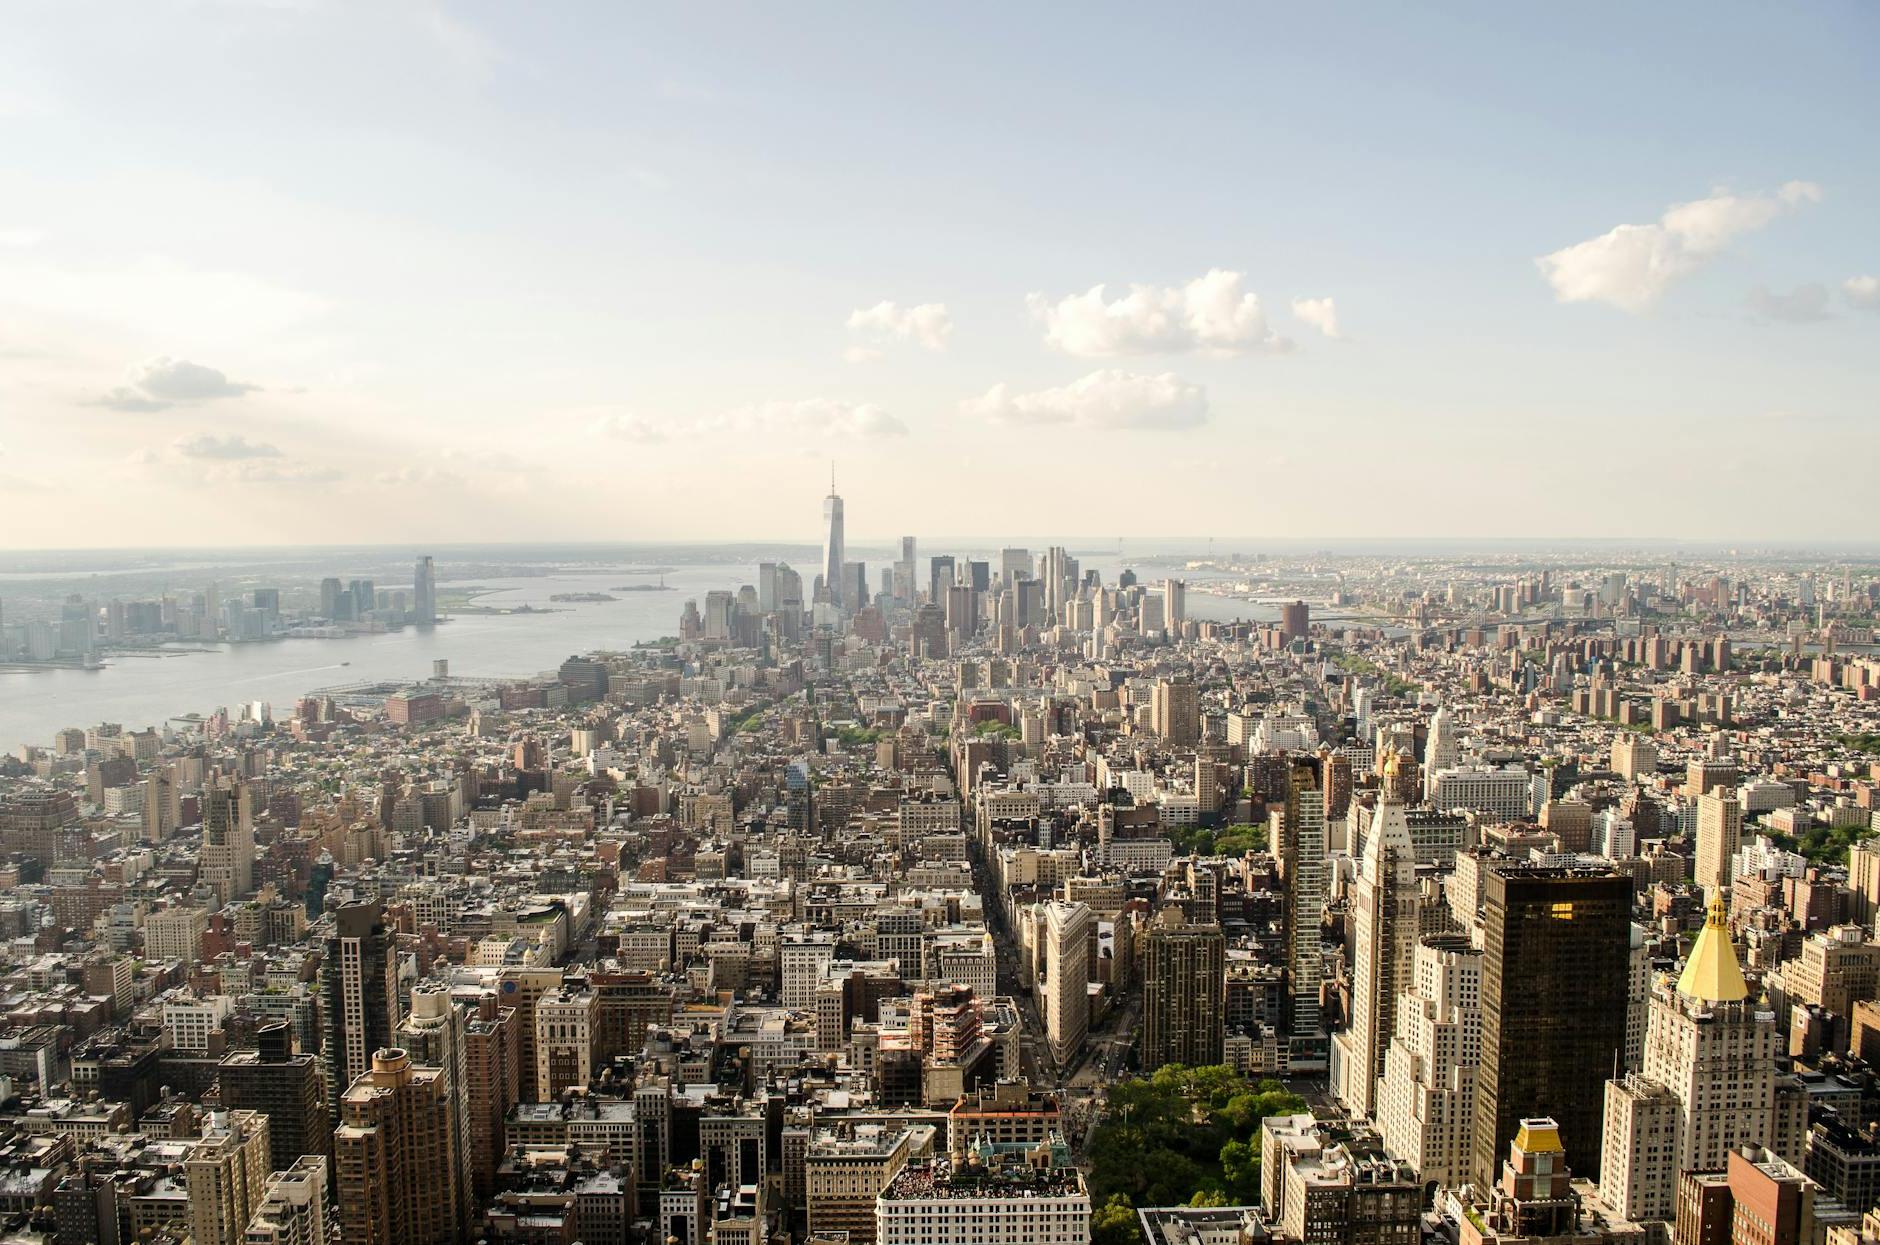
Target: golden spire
(1713, 973)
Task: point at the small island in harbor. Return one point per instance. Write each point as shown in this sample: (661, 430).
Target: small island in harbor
(645, 588)
(582, 598)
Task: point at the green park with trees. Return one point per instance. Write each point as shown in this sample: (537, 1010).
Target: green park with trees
(1181, 1135)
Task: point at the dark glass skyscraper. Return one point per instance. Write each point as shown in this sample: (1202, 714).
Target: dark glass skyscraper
(1556, 953)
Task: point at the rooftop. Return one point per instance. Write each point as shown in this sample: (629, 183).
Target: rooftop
(943, 1181)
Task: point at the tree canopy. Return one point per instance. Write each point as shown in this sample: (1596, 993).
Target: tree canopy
(1180, 1136)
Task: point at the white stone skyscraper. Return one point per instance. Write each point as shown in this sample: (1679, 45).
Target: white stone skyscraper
(1710, 1062)
(1384, 944)
(1063, 977)
(834, 547)
(1715, 1047)
(1443, 750)
(1426, 1101)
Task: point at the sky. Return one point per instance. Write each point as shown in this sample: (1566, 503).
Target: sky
(285, 271)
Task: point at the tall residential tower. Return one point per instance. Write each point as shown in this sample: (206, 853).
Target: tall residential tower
(359, 982)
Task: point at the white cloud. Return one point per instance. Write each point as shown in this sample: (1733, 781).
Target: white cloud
(1862, 292)
(21, 237)
(1210, 314)
(1107, 400)
(629, 428)
(265, 471)
(486, 457)
(1631, 266)
(928, 325)
(1805, 304)
(164, 382)
(820, 418)
(427, 477)
(234, 446)
(1320, 313)
(815, 417)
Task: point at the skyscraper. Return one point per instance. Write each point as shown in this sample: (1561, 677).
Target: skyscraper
(1064, 976)
(435, 1035)
(228, 840)
(292, 1210)
(565, 1025)
(1299, 836)
(1719, 835)
(1384, 948)
(1014, 564)
(1175, 713)
(1556, 948)
(163, 803)
(766, 587)
(1060, 581)
(1184, 989)
(1714, 1049)
(1175, 605)
(1638, 1158)
(904, 584)
(396, 1157)
(225, 1172)
(1426, 1101)
(835, 550)
(940, 577)
(424, 593)
(359, 988)
(1442, 751)
(284, 1086)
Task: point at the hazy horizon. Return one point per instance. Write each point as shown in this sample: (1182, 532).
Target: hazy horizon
(1146, 546)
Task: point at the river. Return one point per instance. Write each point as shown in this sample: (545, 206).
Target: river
(138, 690)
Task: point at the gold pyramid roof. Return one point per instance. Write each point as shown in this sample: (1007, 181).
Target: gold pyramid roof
(1538, 1136)
(1712, 972)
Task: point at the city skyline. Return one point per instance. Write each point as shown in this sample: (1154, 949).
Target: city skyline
(387, 303)
(1331, 695)
(1498, 894)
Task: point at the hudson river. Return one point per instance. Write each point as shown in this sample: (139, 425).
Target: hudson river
(139, 690)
